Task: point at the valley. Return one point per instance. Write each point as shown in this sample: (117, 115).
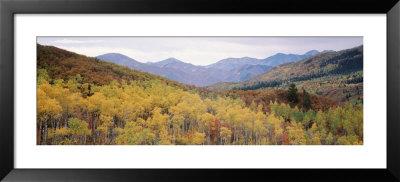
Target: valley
(85, 100)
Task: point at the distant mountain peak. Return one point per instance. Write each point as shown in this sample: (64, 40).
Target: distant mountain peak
(230, 59)
(116, 58)
(324, 51)
(280, 54)
(312, 52)
(112, 54)
(170, 60)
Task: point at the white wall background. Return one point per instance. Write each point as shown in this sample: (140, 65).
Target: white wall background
(370, 155)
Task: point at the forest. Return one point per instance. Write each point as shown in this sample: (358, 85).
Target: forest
(86, 101)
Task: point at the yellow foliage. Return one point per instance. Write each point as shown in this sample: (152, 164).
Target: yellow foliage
(154, 113)
(198, 138)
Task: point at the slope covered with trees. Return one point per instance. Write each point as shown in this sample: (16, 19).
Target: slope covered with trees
(74, 106)
(63, 64)
(337, 75)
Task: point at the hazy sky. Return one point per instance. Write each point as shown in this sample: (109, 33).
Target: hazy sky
(198, 50)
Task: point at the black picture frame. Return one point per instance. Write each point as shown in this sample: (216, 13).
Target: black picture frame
(8, 8)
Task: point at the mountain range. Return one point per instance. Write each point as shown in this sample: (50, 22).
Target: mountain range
(226, 70)
(338, 75)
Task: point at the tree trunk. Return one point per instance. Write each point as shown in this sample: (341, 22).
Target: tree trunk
(191, 125)
(45, 132)
(87, 116)
(58, 122)
(53, 131)
(66, 118)
(183, 129)
(93, 132)
(208, 139)
(40, 132)
(202, 132)
(220, 140)
(155, 139)
(232, 139)
(218, 135)
(245, 136)
(112, 131)
(173, 134)
(252, 132)
(237, 136)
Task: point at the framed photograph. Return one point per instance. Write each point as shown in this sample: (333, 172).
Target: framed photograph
(178, 90)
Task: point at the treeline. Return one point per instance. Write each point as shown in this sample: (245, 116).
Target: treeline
(152, 112)
(278, 83)
(260, 85)
(266, 96)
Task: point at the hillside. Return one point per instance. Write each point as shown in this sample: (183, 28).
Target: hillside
(63, 64)
(281, 58)
(337, 75)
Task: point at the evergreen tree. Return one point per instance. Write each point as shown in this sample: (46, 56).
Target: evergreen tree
(306, 101)
(292, 93)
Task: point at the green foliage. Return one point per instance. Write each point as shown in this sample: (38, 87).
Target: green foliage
(306, 103)
(42, 76)
(77, 127)
(292, 94)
